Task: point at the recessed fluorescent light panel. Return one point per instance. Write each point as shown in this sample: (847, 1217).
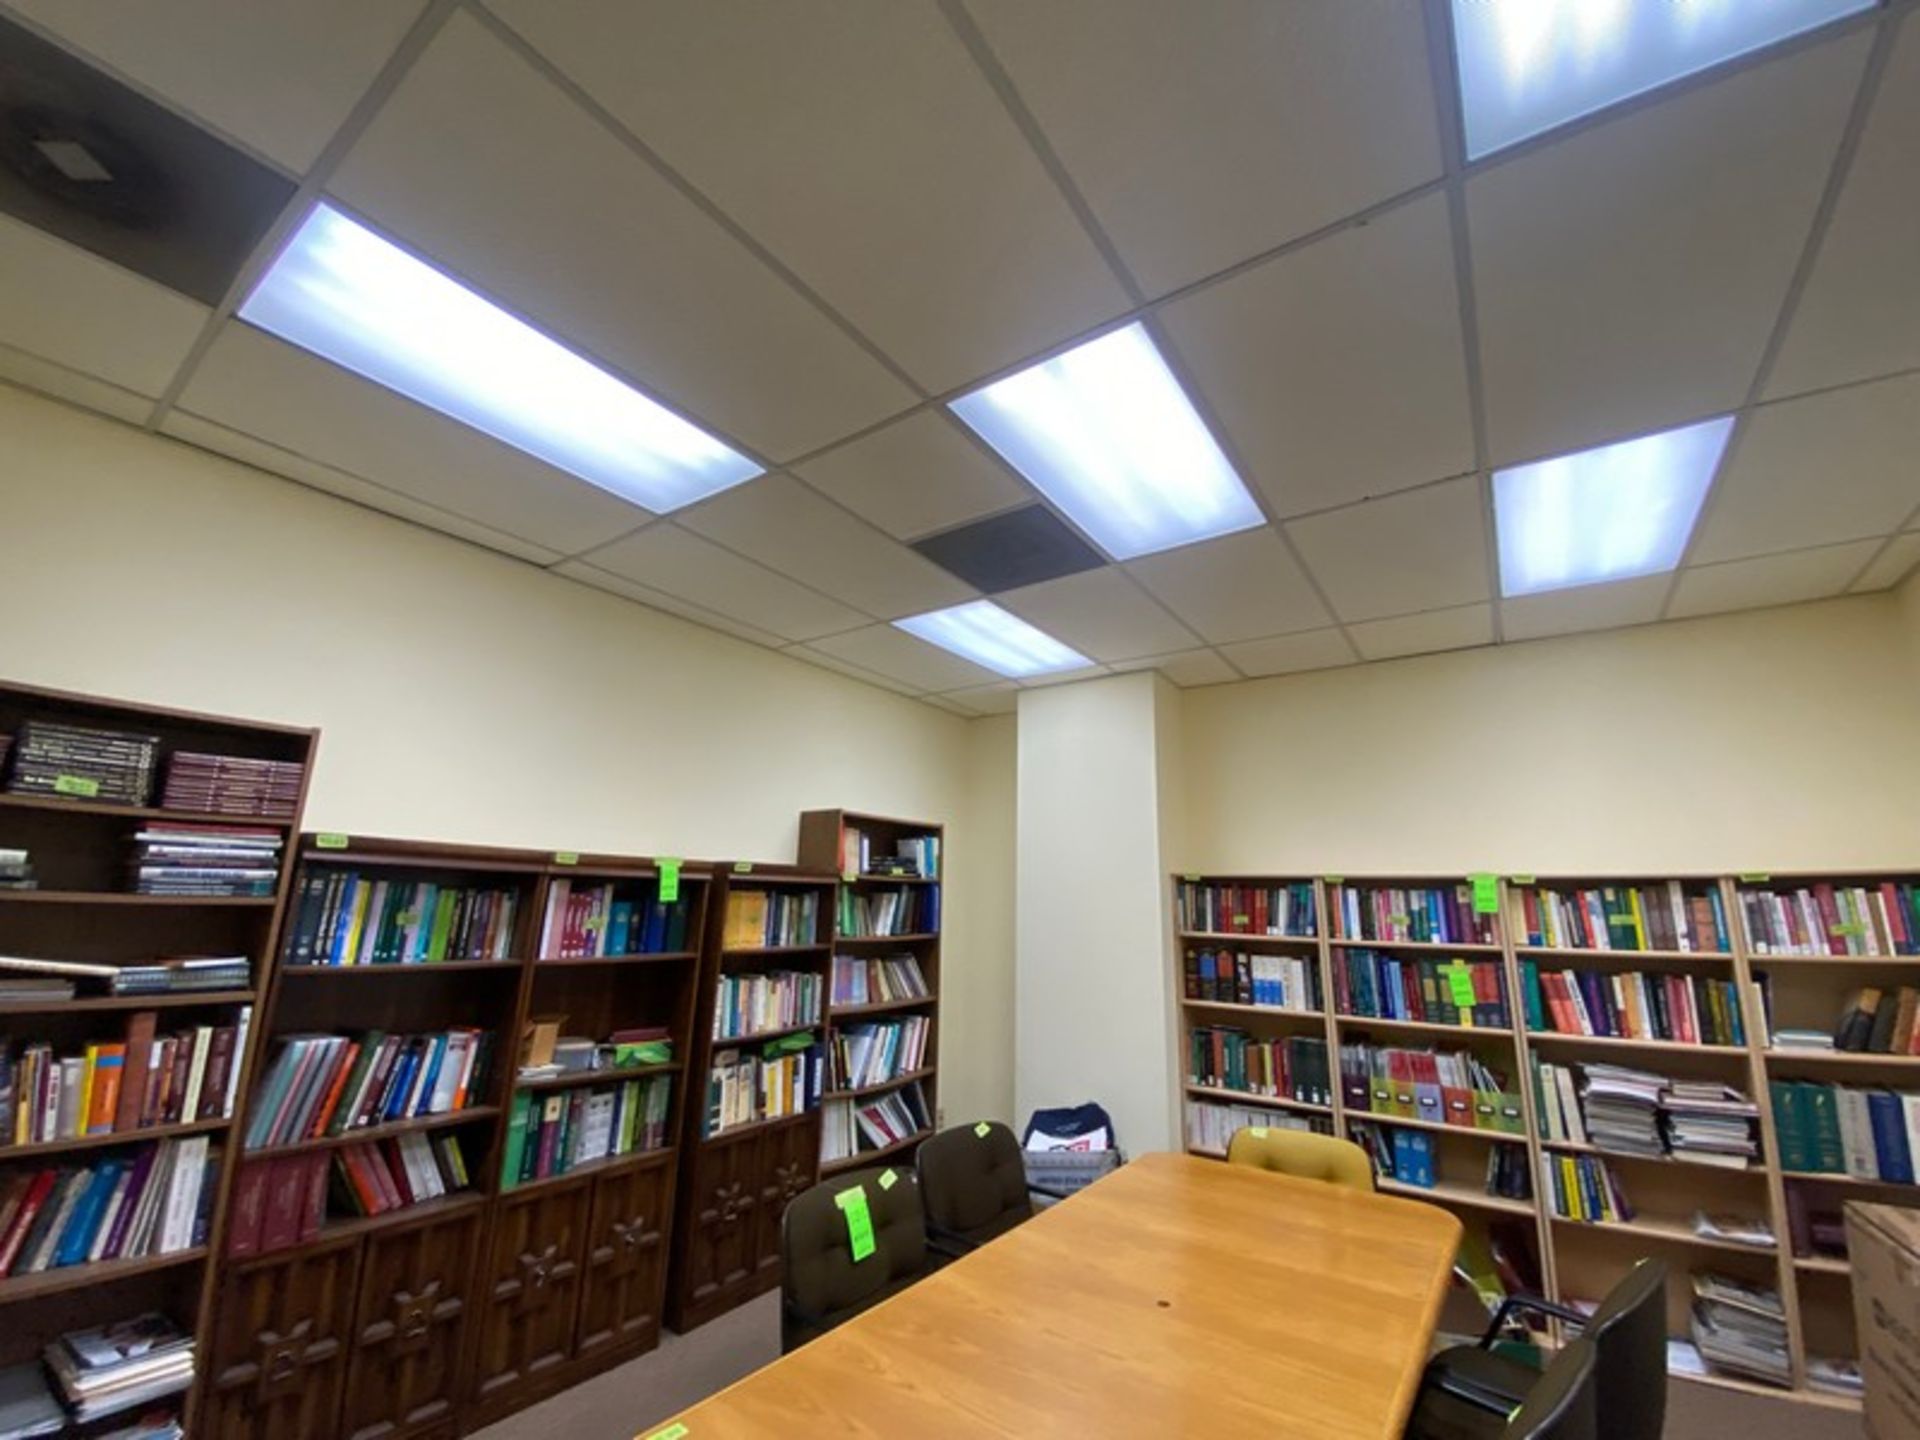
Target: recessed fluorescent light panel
(1608, 514)
(1529, 65)
(362, 302)
(982, 632)
(1108, 435)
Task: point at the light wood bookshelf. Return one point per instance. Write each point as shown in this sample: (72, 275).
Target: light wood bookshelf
(1581, 1260)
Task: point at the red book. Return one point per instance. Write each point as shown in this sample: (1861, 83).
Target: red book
(213, 1085)
(364, 1190)
(1829, 917)
(324, 1112)
(36, 1197)
(249, 1208)
(286, 1191)
(133, 1080)
(376, 1167)
(313, 1214)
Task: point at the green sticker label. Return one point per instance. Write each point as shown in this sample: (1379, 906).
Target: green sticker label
(566, 857)
(330, 841)
(1336, 879)
(1239, 919)
(1191, 879)
(669, 879)
(76, 785)
(1756, 877)
(1259, 1132)
(407, 918)
(673, 1432)
(1460, 983)
(1853, 928)
(888, 1179)
(847, 877)
(1486, 893)
(853, 1204)
(593, 922)
(983, 1129)
(1396, 919)
(743, 867)
(1521, 879)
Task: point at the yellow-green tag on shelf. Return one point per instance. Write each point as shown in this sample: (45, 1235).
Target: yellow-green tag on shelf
(1755, 878)
(888, 1179)
(566, 857)
(1239, 919)
(675, 1431)
(330, 840)
(669, 869)
(1521, 879)
(743, 867)
(1855, 927)
(1459, 983)
(849, 876)
(406, 918)
(1486, 894)
(853, 1204)
(76, 785)
(1191, 879)
(1259, 1132)
(1396, 919)
(983, 1129)
(1336, 879)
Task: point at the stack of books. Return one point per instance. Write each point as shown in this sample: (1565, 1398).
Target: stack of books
(186, 976)
(153, 1201)
(16, 870)
(83, 763)
(1623, 1109)
(1246, 909)
(116, 1367)
(1741, 1327)
(321, 1085)
(858, 981)
(910, 910)
(346, 918)
(27, 1406)
(753, 1004)
(232, 785)
(1634, 1112)
(117, 1087)
(182, 859)
(760, 919)
(21, 989)
(1707, 1123)
(592, 921)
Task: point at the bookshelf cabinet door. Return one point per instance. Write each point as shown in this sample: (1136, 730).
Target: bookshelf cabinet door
(626, 1255)
(415, 1285)
(789, 1162)
(721, 1231)
(532, 1285)
(279, 1352)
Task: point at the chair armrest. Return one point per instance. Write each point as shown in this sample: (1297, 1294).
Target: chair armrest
(1045, 1193)
(1534, 1303)
(1477, 1396)
(947, 1243)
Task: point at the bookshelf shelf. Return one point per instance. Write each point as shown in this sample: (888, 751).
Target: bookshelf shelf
(1833, 962)
(881, 1087)
(1473, 1132)
(100, 809)
(1219, 937)
(426, 1212)
(913, 939)
(754, 1037)
(1426, 945)
(367, 1134)
(750, 1128)
(1614, 1042)
(1574, 1147)
(873, 1157)
(1823, 1264)
(578, 1078)
(1247, 1097)
(1424, 1027)
(613, 1165)
(1827, 1177)
(1845, 1059)
(106, 1004)
(16, 1288)
(881, 1007)
(436, 967)
(72, 1143)
(1721, 957)
(144, 902)
(663, 957)
(1284, 1012)
(869, 879)
(1668, 1230)
(1455, 1193)
(772, 951)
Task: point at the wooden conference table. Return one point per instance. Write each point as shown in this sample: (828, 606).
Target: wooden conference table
(1177, 1297)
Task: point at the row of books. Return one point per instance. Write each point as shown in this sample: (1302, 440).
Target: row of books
(784, 1077)
(16, 867)
(851, 1127)
(752, 1004)
(861, 981)
(153, 1201)
(1824, 919)
(1409, 1157)
(1283, 982)
(232, 785)
(410, 1169)
(83, 762)
(97, 1373)
(346, 918)
(1869, 1134)
(1211, 1126)
(1635, 1112)
(876, 1051)
(1434, 992)
(758, 919)
(1293, 1068)
(1633, 1005)
(1879, 1022)
(1583, 1187)
(1439, 1087)
(560, 1131)
(913, 855)
(142, 1080)
(36, 980)
(1425, 914)
(1741, 1327)
(595, 920)
(1663, 916)
(1221, 908)
(910, 910)
(211, 860)
(319, 1085)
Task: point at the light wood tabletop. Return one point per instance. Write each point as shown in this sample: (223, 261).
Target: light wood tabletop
(1176, 1297)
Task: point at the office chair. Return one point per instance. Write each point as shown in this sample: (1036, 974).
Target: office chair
(821, 1284)
(973, 1182)
(1628, 1334)
(1562, 1403)
(1302, 1153)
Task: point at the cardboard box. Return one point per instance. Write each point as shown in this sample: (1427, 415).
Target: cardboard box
(1883, 1242)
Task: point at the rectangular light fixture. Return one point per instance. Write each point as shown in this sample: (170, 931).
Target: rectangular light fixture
(354, 298)
(1527, 66)
(982, 632)
(1107, 434)
(1607, 514)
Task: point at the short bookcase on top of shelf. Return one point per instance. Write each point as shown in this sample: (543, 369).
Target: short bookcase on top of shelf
(71, 899)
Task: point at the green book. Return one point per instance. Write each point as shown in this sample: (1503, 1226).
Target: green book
(369, 1047)
(1820, 1115)
(516, 1139)
(442, 926)
(1534, 998)
(1788, 1127)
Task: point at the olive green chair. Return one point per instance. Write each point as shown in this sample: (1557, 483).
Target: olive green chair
(1302, 1153)
(821, 1284)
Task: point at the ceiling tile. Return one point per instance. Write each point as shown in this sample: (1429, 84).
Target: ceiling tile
(1338, 369)
(1002, 699)
(65, 305)
(57, 381)
(1204, 134)
(900, 657)
(667, 558)
(1894, 564)
(1859, 314)
(278, 77)
(1815, 471)
(1424, 633)
(1423, 550)
(220, 440)
(1284, 654)
(672, 604)
(893, 182)
(1189, 667)
(1769, 580)
(1627, 276)
(1584, 607)
(485, 166)
(842, 667)
(260, 386)
(917, 475)
(782, 524)
(1100, 613)
(1235, 588)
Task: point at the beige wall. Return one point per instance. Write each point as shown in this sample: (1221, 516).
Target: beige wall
(464, 696)
(977, 1014)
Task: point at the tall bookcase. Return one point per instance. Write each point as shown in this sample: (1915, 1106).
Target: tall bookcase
(737, 1178)
(829, 840)
(79, 847)
(1582, 1259)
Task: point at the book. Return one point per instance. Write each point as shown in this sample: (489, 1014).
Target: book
(1224, 1057)
(144, 1202)
(1219, 907)
(1421, 915)
(343, 916)
(1672, 916)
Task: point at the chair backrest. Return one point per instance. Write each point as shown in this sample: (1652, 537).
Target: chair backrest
(1629, 1335)
(1302, 1153)
(973, 1181)
(1560, 1406)
(819, 1278)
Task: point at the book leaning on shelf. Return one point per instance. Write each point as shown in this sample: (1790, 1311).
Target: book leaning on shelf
(1423, 915)
(1452, 1088)
(1435, 992)
(33, 979)
(596, 921)
(1281, 982)
(855, 1127)
(764, 919)
(1633, 1005)
(878, 1051)
(1665, 916)
(557, 1132)
(318, 1085)
(910, 910)
(1221, 1057)
(784, 1077)
(143, 1079)
(1285, 910)
(1865, 1133)
(155, 1200)
(1825, 919)
(859, 981)
(342, 917)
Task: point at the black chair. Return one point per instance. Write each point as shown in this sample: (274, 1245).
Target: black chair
(821, 1284)
(973, 1182)
(1562, 1404)
(1628, 1334)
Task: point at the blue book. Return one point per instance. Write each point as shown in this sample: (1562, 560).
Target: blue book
(434, 1059)
(401, 1084)
(77, 1238)
(349, 893)
(620, 928)
(655, 938)
(1891, 1154)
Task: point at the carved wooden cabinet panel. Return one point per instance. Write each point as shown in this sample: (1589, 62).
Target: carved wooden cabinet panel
(718, 1234)
(278, 1358)
(416, 1287)
(789, 1155)
(530, 1287)
(626, 1259)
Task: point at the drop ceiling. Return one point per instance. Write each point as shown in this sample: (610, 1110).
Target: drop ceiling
(808, 226)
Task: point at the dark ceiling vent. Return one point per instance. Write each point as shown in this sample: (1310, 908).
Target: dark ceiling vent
(1006, 551)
